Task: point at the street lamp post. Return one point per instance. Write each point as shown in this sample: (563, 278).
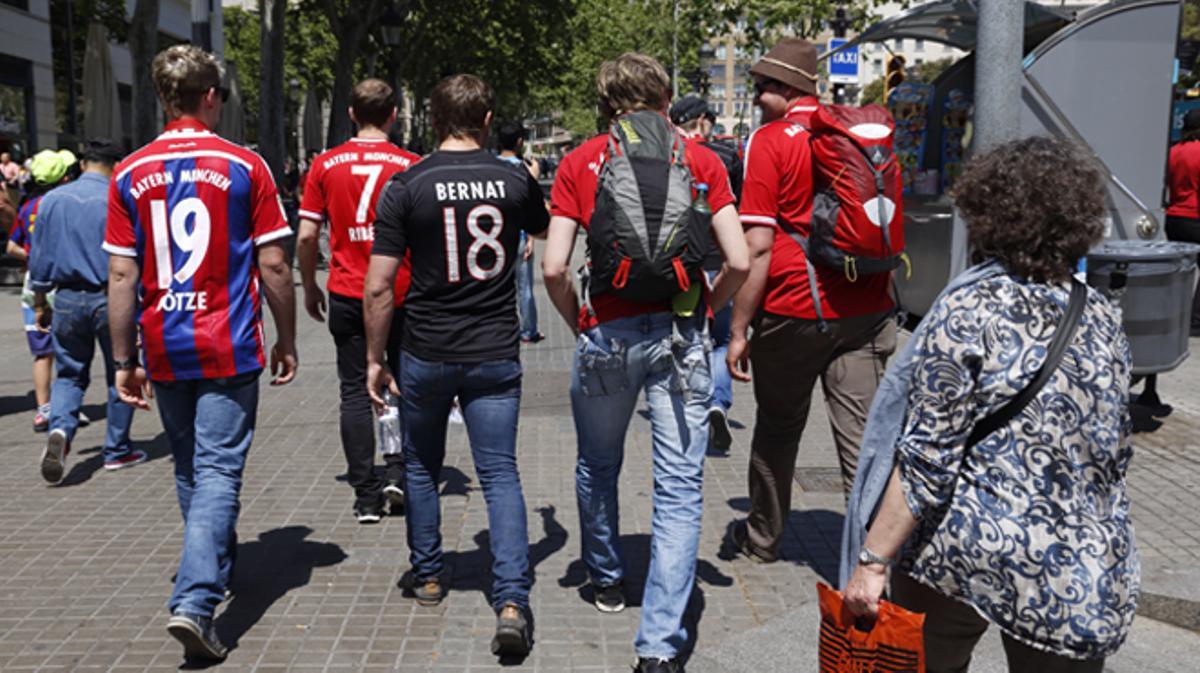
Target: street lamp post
(675, 52)
(839, 24)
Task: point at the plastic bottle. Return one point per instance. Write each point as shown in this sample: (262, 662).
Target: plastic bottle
(700, 203)
(390, 443)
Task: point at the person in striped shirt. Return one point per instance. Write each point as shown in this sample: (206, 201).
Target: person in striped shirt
(195, 239)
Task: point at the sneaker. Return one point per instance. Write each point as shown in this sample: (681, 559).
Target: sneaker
(128, 460)
(54, 457)
(84, 421)
(428, 592)
(609, 598)
(41, 422)
(740, 537)
(369, 513)
(394, 492)
(197, 635)
(719, 438)
(513, 636)
(657, 665)
(456, 416)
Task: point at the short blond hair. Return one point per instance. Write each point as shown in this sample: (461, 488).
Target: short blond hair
(182, 75)
(631, 82)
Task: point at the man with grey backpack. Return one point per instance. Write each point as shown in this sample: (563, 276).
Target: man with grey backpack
(650, 203)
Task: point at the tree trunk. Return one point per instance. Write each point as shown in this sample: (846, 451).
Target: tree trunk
(143, 45)
(343, 72)
(271, 120)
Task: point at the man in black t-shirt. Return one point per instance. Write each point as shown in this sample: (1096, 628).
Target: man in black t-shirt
(459, 213)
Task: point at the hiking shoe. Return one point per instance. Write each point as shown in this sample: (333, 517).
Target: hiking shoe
(513, 635)
(395, 494)
(719, 438)
(657, 665)
(54, 456)
(128, 460)
(609, 598)
(41, 422)
(372, 513)
(197, 635)
(740, 537)
(428, 592)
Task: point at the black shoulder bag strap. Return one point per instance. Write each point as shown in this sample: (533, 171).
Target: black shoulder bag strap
(1058, 346)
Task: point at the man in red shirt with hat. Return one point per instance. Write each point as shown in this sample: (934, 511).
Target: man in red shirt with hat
(792, 347)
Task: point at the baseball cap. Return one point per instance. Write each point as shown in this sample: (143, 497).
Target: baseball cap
(49, 167)
(688, 108)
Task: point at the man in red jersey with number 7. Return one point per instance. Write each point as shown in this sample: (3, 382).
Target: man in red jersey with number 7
(194, 227)
(342, 188)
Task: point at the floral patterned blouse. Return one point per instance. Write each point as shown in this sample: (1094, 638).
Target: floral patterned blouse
(1031, 526)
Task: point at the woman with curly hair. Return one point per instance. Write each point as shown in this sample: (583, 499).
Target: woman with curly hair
(1028, 527)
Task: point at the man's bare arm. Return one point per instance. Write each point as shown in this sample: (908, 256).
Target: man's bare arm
(131, 384)
(732, 242)
(281, 297)
(306, 256)
(556, 261)
(378, 300)
(748, 299)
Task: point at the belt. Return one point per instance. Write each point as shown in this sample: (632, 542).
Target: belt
(79, 286)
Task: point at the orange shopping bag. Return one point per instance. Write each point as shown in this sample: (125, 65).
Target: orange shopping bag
(893, 645)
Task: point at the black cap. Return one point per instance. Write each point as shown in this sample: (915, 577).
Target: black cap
(102, 150)
(688, 108)
(1191, 120)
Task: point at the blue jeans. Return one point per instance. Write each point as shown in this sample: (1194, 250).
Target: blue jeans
(80, 322)
(490, 396)
(722, 330)
(210, 424)
(526, 305)
(613, 363)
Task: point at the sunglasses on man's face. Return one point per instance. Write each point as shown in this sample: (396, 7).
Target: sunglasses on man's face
(223, 92)
(767, 85)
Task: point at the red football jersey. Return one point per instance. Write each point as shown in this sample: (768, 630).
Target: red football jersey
(778, 192)
(343, 185)
(192, 208)
(574, 196)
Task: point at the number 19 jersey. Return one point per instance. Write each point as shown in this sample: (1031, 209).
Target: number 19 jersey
(192, 208)
(342, 188)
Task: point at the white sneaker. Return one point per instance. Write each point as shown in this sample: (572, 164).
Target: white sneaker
(456, 416)
(54, 456)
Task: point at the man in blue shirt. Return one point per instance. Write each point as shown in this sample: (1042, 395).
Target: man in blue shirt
(512, 142)
(67, 256)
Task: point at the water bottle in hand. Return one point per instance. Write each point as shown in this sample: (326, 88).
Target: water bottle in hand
(389, 427)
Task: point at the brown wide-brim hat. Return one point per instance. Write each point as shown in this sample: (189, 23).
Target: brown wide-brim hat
(792, 61)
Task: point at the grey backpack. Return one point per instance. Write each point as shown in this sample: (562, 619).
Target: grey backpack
(647, 237)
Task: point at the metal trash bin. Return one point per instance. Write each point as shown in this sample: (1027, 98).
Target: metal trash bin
(1152, 282)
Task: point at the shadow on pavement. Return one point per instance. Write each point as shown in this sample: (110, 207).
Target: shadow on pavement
(16, 404)
(819, 555)
(267, 569)
(472, 570)
(82, 470)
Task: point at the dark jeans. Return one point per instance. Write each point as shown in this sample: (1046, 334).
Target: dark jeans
(357, 416)
(490, 396)
(1187, 230)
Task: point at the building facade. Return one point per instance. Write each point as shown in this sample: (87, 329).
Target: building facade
(28, 120)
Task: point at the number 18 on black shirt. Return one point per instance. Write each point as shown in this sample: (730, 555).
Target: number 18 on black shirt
(459, 214)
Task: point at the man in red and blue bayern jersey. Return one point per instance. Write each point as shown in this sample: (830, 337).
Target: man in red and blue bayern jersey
(194, 221)
(343, 185)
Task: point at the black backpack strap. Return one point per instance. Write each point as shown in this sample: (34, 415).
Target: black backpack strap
(1058, 347)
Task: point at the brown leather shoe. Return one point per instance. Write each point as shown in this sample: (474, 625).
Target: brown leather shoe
(514, 637)
(428, 592)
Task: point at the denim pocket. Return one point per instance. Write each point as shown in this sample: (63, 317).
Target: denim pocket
(691, 376)
(601, 372)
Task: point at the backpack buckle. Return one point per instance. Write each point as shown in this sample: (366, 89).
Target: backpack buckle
(850, 268)
(681, 276)
(621, 277)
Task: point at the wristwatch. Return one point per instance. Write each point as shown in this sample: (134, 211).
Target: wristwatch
(124, 365)
(867, 557)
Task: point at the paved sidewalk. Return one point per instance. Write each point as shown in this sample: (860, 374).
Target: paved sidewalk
(85, 568)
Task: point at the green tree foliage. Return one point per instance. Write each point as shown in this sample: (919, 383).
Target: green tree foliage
(309, 54)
